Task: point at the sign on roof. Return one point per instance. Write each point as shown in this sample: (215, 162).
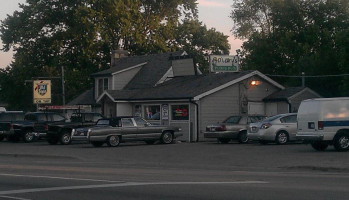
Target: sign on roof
(224, 63)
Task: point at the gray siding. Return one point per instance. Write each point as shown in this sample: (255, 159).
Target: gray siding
(183, 67)
(218, 106)
(298, 98)
(120, 80)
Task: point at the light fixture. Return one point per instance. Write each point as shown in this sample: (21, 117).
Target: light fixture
(254, 83)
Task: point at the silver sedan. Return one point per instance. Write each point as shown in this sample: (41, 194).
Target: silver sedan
(279, 129)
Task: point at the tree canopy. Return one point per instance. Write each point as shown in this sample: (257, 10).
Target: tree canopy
(290, 37)
(81, 34)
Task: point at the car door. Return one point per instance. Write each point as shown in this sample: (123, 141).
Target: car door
(290, 125)
(146, 130)
(128, 129)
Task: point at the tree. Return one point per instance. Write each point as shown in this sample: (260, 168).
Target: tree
(79, 35)
(290, 37)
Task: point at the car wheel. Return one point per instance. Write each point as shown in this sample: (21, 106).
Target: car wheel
(65, 138)
(28, 136)
(52, 141)
(2, 138)
(341, 142)
(319, 146)
(113, 141)
(242, 137)
(150, 141)
(223, 140)
(281, 137)
(97, 144)
(167, 137)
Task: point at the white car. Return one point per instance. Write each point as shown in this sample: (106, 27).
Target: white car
(279, 129)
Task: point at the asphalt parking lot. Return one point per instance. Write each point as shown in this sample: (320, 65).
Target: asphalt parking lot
(205, 170)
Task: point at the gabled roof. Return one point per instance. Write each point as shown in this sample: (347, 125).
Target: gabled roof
(287, 93)
(186, 87)
(85, 98)
(153, 67)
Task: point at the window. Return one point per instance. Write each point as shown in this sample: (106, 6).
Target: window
(233, 120)
(289, 119)
(57, 118)
(103, 84)
(127, 122)
(140, 121)
(152, 112)
(180, 112)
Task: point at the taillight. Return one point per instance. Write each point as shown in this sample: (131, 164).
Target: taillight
(265, 126)
(11, 128)
(46, 127)
(320, 125)
(221, 128)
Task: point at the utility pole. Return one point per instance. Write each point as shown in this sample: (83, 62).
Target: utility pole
(303, 79)
(63, 90)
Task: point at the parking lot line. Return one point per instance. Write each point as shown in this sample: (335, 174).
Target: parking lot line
(16, 198)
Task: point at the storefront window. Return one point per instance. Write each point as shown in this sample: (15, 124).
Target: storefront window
(180, 112)
(138, 110)
(152, 112)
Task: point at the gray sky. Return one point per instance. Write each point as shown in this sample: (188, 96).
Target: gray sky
(213, 13)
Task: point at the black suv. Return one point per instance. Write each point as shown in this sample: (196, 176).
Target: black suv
(13, 127)
(41, 121)
(61, 132)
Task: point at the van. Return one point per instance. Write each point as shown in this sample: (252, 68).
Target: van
(323, 122)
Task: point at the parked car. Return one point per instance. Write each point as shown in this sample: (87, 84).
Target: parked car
(14, 127)
(323, 122)
(122, 129)
(279, 129)
(61, 131)
(41, 121)
(233, 128)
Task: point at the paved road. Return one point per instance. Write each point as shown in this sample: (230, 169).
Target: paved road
(180, 171)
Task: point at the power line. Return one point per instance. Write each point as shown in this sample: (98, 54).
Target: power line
(308, 76)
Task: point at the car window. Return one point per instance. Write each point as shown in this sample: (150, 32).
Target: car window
(233, 120)
(103, 122)
(289, 119)
(140, 121)
(254, 119)
(127, 122)
(44, 117)
(56, 118)
(30, 117)
(11, 116)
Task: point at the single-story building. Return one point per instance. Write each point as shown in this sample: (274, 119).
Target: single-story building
(168, 89)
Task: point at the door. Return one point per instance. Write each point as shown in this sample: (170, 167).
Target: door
(128, 129)
(256, 108)
(147, 131)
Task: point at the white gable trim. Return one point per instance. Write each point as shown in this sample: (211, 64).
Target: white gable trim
(105, 93)
(127, 69)
(168, 74)
(236, 81)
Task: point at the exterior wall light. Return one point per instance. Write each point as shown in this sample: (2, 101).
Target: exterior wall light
(254, 83)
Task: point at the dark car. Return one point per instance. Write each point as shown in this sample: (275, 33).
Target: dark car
(61, 131)
(14, 127)
(41, 121)
(113, 131)
(233, 128)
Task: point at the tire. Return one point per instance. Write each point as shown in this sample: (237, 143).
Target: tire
(65, 138)
(52, 141)
(319, 146)
(97, 144)
(113, 141)
(242, 137)
(223, 140)
(341, 142)
(167, 137)
(281, 137)
(150, 141)
(28, 136)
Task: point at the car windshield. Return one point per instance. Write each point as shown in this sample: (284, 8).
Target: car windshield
(232, 120)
